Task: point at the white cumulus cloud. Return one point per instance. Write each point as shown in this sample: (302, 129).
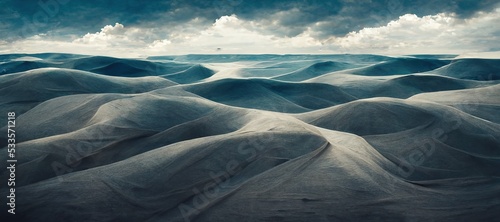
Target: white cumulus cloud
(107, 33)
(441, 33)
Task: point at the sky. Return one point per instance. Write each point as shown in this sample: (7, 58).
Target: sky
(133, 28)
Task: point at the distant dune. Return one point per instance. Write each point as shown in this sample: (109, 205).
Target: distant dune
(314, 70)
(475, 69)
(400, 66)
(192, 74)
(253, 137)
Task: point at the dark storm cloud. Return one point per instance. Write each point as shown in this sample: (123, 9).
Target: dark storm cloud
(20, 19)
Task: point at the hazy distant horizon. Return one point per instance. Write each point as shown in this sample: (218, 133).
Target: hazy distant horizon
(484, 55)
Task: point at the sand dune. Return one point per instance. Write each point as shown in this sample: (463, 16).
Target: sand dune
(480, 102)
(396, 86)
(314, 71)
(23, 91)
(400, 66)
(476, 69)
(396, 127)
(271, 95)
(253, 137)
(192, 74)
(97, 64)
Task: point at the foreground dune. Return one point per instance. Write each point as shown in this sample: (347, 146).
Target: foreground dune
(253, 138)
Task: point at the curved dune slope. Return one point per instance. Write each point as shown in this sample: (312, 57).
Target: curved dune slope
(190, 75)
(400, 66)
(22, 91)
(475, 69)
(314, 70)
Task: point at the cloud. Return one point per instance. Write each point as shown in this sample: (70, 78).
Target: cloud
(441, 33)
(113, 40)
(119, 36)
(228, 33)
(290, 17)
(160, 44)
(234, 35)
(407, 34)
(108, 34)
